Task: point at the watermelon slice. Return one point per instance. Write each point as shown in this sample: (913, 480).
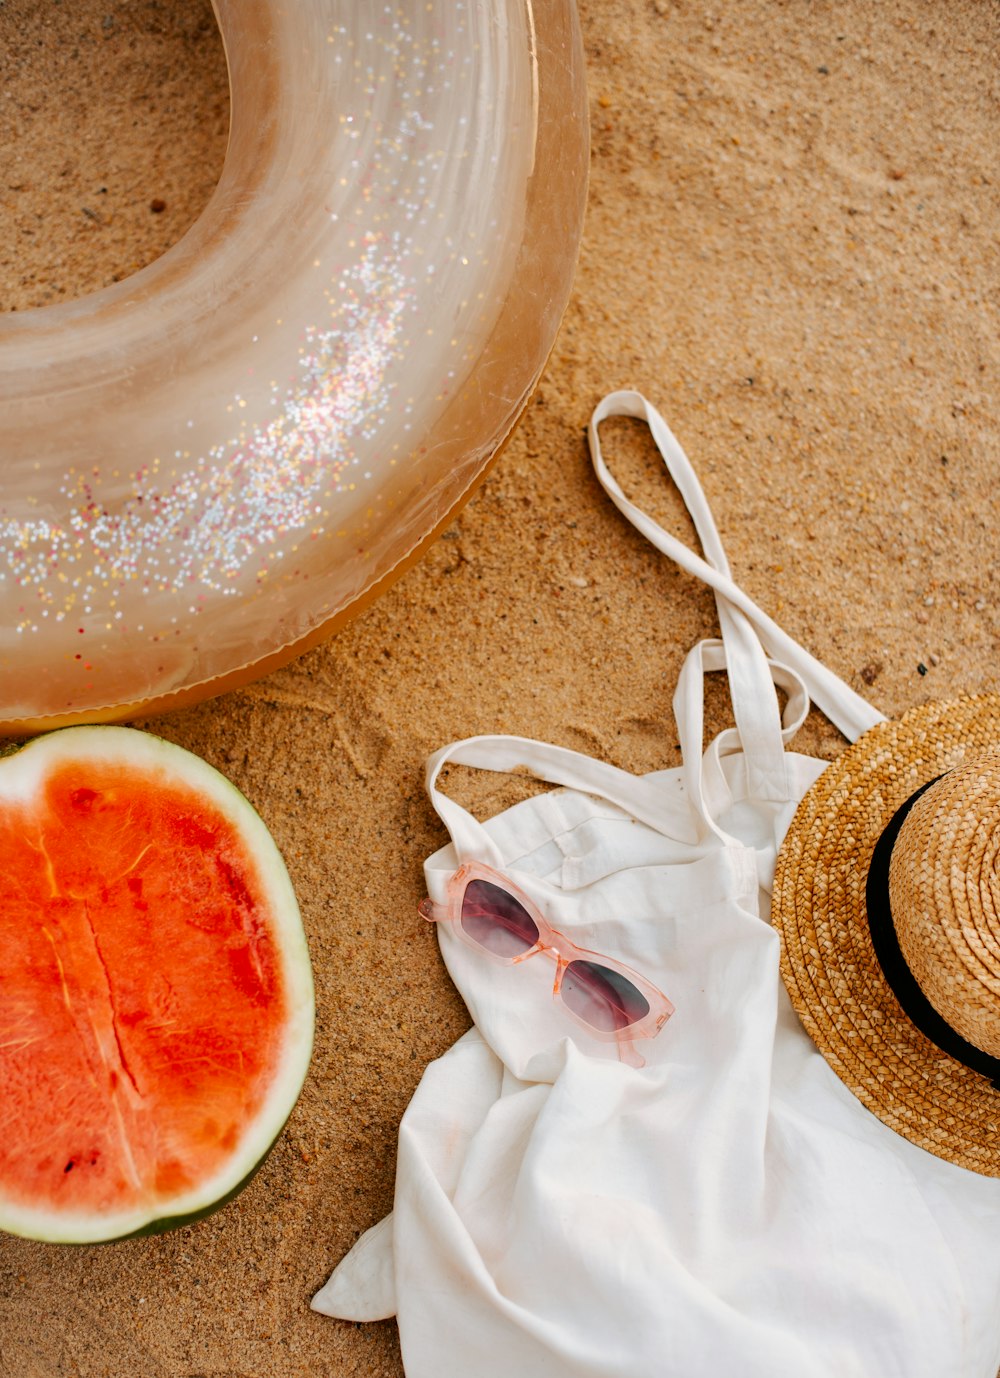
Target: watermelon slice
(156, 999)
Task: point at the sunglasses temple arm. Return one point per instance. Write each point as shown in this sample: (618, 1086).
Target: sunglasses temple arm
(432, 912)
(629, 1053)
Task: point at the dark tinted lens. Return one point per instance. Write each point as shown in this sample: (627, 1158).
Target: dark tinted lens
(602, 998)
(496, 920)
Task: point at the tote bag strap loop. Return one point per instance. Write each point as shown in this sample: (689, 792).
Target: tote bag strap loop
(755, 706)
(847, 710)
(638, 797)
(705, 781)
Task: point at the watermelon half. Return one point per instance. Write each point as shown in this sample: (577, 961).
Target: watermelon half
(156, 997)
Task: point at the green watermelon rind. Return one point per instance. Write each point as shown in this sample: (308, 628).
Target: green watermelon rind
(30, 759)
(165, 1223)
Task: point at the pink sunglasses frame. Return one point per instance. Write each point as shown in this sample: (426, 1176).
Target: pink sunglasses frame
(560, 949)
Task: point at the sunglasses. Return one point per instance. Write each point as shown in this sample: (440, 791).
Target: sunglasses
(609, 999)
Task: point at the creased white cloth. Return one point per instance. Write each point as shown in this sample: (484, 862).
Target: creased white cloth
(730, 1210)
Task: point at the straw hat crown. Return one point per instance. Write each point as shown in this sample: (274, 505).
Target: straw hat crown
(887, 901)
(944, 894)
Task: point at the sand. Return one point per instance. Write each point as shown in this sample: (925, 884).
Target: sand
(791, 248)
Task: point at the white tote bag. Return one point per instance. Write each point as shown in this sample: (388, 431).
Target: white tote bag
(728, 1210)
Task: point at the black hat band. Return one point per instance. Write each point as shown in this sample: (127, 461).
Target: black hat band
(917, 1008)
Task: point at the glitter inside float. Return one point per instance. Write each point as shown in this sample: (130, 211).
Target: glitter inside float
(210, 465)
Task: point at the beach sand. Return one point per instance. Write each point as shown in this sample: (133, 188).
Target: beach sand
(791, 248)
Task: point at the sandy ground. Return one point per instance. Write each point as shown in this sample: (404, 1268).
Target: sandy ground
(791, 247)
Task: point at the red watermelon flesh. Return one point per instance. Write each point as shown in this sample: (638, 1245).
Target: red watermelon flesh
(155, 994)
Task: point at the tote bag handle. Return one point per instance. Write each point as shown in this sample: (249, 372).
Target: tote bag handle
(639, 798)
(739, 616)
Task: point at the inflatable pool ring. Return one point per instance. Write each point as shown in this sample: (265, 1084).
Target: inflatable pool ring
(208, 467)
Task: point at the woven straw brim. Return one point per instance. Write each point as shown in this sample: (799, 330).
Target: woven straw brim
(827, 959)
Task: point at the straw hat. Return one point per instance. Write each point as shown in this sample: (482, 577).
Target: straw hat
(887, 900)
